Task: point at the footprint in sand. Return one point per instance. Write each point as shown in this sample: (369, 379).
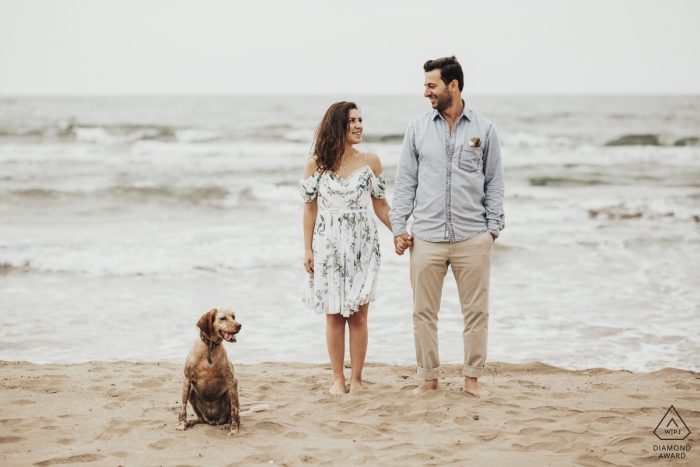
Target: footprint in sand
(114, 405)
(403, 447)
(10, 439)
(530, 431)
(682, 386)
(164, 443)
(464, 421)
(306, 459)
(11, 421)
(613, 420)
(24, 402)
(149, 384)
(628, 440)
(296, 402)
(70, 460)
(269, 426)
(259, 459)
(547, 409)
(383, 396)
(353, 404)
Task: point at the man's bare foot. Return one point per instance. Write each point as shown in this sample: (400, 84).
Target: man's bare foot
(472, 387)
(428, 385)
(338, 388)
(356, 386)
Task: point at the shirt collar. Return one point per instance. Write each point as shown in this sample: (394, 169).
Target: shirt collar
(465, 112)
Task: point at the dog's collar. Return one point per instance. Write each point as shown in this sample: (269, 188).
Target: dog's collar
(211, 345)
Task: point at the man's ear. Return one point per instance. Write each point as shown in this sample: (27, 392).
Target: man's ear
(206, 322)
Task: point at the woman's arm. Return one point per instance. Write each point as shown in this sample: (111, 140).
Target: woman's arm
(381, 206)
(381, 209)
(310, 213)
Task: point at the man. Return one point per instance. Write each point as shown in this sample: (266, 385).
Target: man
(450, 177)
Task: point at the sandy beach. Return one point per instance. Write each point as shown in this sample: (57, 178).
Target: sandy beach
(124, 414)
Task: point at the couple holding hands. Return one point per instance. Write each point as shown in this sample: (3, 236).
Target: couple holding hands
(450, 178)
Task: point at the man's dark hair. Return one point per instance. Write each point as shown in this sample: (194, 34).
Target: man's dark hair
(450, 69)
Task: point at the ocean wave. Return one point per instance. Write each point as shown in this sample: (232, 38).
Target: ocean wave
(162, 255)
(386, 138)
(691, 141)
(529, 140)
(122, 134)
(652, 140)
(565, 182)
(635, 140)
(146, 191)
(129, 134)
(193, 135)
(111, 134)
(138, 192)
(669, 210)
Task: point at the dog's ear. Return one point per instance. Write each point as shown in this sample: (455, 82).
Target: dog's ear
(206, 322)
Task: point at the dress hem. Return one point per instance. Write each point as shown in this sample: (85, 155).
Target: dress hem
(362, 302)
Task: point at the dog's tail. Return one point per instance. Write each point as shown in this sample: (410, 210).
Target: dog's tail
(256, 408)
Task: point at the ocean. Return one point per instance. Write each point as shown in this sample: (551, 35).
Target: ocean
(124, 219)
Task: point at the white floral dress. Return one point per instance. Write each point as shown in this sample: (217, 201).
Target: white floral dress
(345, 241)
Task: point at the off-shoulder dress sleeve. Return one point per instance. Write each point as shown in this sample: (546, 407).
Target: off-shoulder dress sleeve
(378, 186)
(308, 188)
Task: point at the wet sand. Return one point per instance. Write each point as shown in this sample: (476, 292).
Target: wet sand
(112, 414)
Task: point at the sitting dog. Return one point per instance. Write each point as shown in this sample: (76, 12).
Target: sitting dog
(209, 384)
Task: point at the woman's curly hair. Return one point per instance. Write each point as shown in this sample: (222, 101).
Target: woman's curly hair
(331, 134)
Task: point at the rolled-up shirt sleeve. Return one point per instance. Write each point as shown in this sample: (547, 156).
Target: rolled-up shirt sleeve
(405, 185)
(493, 183)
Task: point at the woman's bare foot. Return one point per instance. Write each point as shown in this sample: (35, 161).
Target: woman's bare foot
(356, 385)
(338, 388)
(472, 387)
(428, 385)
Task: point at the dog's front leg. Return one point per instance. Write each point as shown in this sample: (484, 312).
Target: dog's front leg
(186, 391)
(233, 398)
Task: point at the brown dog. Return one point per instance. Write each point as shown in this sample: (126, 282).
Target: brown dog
(209, 383)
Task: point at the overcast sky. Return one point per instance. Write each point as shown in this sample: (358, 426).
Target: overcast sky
(356, 46)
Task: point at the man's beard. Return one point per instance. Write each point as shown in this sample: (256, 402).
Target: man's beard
(444, 101)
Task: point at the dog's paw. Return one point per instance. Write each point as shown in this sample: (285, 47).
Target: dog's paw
(234, 431)
(181, 427)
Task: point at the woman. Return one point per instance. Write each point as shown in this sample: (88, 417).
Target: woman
(340, 236)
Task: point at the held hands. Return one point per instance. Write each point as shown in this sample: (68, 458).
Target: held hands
(401, 242)
(309, 261)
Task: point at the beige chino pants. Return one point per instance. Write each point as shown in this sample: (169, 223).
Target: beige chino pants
(471, 264)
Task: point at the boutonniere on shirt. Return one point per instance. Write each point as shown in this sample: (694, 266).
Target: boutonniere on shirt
(474, 143)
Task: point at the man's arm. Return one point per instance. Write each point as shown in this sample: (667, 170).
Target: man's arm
(406, 184)
(493, 183)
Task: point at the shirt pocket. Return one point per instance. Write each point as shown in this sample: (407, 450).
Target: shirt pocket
(470, 159)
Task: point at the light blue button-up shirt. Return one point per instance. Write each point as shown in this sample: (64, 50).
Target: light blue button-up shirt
(454, 191)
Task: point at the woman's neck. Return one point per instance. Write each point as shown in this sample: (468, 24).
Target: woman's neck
(349, 151)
